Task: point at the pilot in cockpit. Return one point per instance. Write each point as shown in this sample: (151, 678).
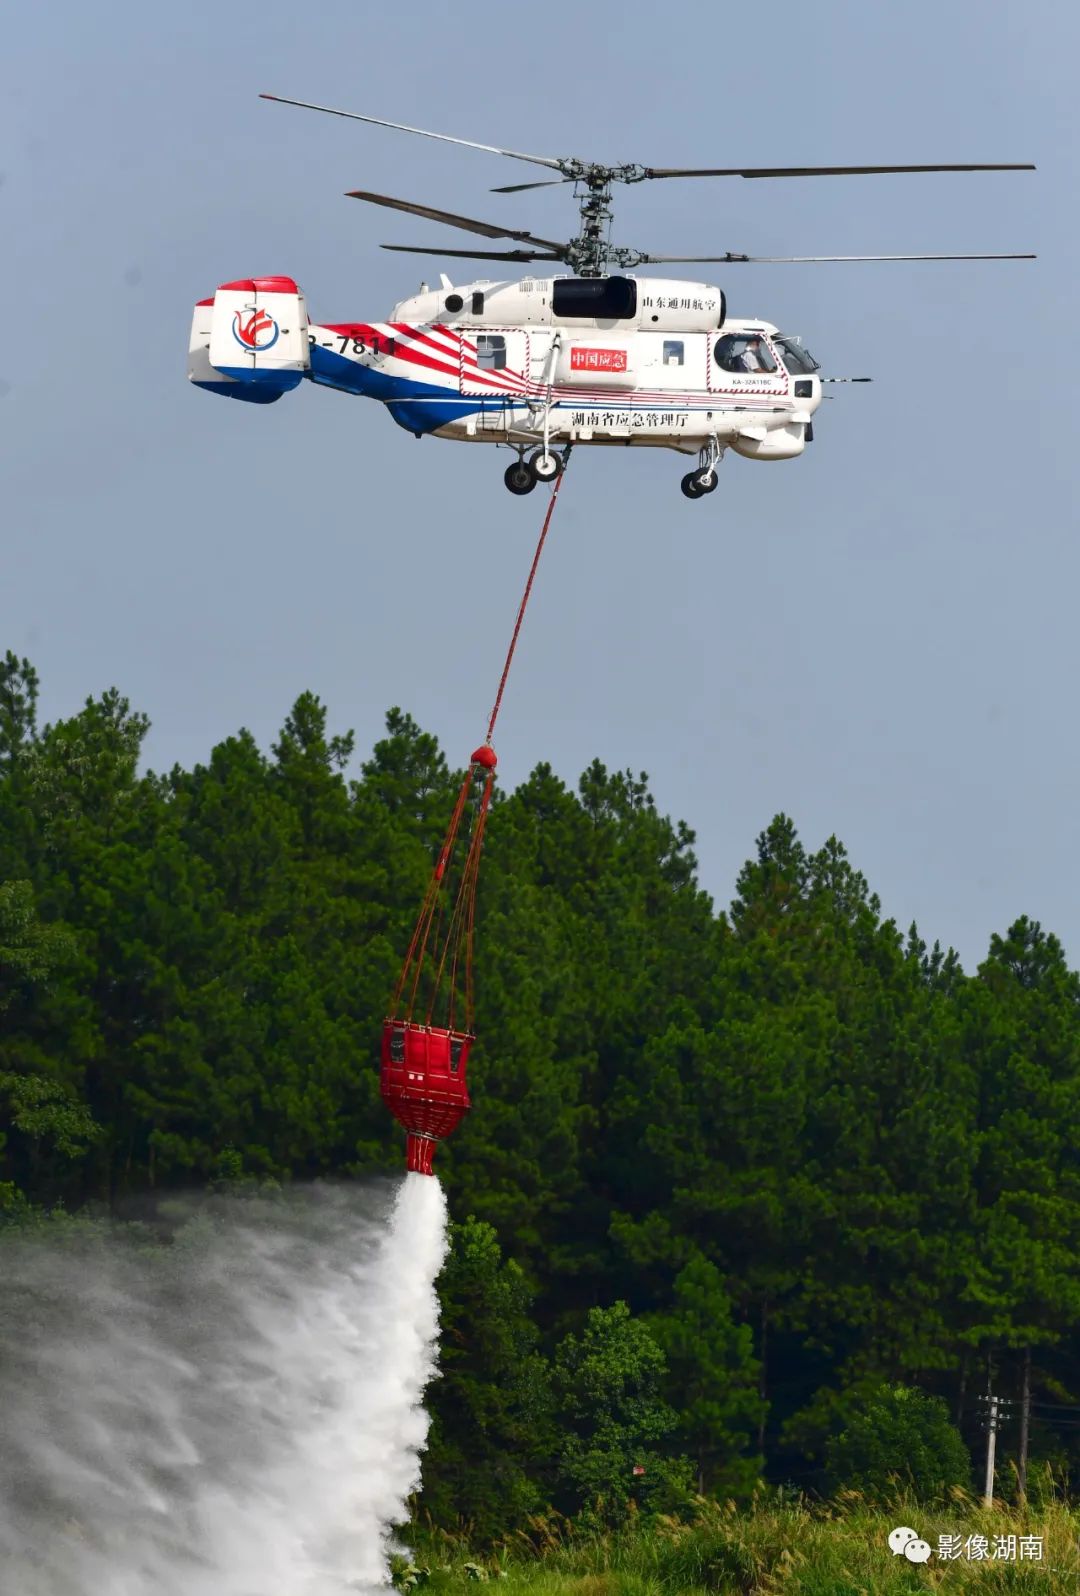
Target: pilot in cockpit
(744, 353)
(754, 357)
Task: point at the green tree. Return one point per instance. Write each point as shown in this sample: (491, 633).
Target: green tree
(29, 951)
(713, 1380)
(617, 1426)
(43, 1113)
(491, 1438)
(1021, 1283)
(900, 1436)
(41, 1124)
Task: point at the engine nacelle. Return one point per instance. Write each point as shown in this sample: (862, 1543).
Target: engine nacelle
(250, 341)
(779, 443)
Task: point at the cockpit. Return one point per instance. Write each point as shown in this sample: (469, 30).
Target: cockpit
(745, 353)
(749, 353)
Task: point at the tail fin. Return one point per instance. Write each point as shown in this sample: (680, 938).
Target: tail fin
(250, 341)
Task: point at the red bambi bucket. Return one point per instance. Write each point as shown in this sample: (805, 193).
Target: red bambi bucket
(422, 1081)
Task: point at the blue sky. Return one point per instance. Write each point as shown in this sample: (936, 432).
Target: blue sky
(878, 639)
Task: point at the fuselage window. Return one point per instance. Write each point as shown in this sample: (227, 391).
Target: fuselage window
(594, 298)
(478, 302)
(744, 353)
(491, 351)
(673, 352)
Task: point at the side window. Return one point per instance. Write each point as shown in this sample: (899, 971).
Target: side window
(478, 302)
(673, 352)
(491, 351)
(744, 353)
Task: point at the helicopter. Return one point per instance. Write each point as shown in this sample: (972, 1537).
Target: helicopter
(598, 355)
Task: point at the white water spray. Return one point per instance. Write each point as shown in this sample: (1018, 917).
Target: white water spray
(238, 1415)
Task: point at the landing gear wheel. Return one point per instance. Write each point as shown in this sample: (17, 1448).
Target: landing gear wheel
(545, 467)
(690, 485)
(706, 480)
(519, 478)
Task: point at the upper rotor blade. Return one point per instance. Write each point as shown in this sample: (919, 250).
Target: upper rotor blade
(466, 223)
(822, 171)
(403, 127)
(472, 254)
(808, 260)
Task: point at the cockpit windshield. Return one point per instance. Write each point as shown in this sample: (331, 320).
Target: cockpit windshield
(799, 361)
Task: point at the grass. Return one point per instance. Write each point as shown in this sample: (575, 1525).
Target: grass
(770, 1549)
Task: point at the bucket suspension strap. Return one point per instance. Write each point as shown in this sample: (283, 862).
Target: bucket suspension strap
(447, 953)
(414, 958)
(458, 946)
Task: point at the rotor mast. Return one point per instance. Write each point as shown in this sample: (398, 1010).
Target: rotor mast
(589, 253)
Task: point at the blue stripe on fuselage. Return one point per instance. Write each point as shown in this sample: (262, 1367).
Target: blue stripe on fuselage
(423, 407)
(438, 405)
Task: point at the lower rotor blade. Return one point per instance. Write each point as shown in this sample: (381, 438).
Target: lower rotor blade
(466, 223)
(473, 254)
(823, 171)
(806, 260)
(519, 188)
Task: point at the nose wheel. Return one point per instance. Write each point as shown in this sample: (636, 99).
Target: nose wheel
(695, 484)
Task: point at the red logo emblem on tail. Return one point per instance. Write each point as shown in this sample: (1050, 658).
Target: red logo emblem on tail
(255, 331)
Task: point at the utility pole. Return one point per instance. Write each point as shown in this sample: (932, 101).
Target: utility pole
(1025, 1424)
(991, 1445)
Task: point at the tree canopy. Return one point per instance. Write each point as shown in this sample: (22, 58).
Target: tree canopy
(762, 1160)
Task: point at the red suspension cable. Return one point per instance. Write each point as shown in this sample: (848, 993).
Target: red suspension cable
(458, 938)
(524, 602)
(423, 1063)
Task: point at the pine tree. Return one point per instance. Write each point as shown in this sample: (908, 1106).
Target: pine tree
(713, 1380)
(488, 1451)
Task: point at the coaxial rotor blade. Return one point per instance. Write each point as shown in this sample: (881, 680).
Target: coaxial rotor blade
(805, 260)
(823, 171)
(451, 219)
(403, 127)
(519, 188)
(472, 254)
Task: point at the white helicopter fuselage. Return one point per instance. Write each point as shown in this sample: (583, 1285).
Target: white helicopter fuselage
(542, 361)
